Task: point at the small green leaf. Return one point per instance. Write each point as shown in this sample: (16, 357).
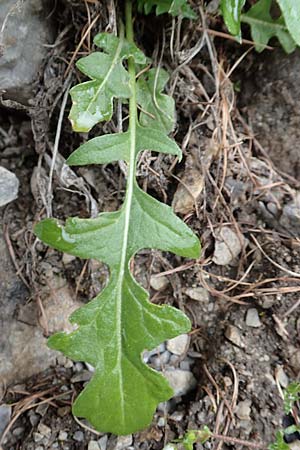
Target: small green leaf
(291, 13)
(93, 100)
(113, 147)
(280, 443)
(102, 150)
(291, 396)
(157, 109)
(231, 11)
(173, 7)
(263, 27)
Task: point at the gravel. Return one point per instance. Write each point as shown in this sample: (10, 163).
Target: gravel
(252, 318)
(228, 246)
(9, 186)
(179, 345)
(181, 381)
(5, 415)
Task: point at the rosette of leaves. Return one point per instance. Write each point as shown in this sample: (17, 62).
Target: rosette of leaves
(112, 330)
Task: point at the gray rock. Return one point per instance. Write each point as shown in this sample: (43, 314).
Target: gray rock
(23, 348)
(37, 437)
(199, 294)
(179, 345)
(290, 217)
(252, 318)
(228, 246)
(243, 410)
(295, 360)
(5, 415)
(160, 361)
(121, 442)
(63, 435)
(190, 188)
(159, 283)
(9, 186)
(26, 28)
(18, 432)
(78, 436)
(93, 445)
(103, 442)
(282, 377)
(232, 333)
(181, 381)
(44, 430)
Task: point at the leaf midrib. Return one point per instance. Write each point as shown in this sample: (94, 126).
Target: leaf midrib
(253, 20)
(124, 259)
(113, 64)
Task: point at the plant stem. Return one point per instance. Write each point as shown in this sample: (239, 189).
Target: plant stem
(132, 106)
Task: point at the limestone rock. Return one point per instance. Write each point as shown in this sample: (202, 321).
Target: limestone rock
(26, 28)
(9, 185)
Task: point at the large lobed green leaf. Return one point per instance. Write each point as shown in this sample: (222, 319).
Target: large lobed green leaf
(264, 27)
(113, 329)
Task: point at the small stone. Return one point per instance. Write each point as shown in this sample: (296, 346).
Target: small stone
(44, 430)
(63, 411)
(123, 442)
(78, 436)
(294, 445)
(37, 437)
(232, 333)
(161, 422)
(189, 190)
(85, 375)
(42, 409)
(185, 365)
(158, 283)
(243, 410)
(179, 345)
(295, 360)
(18, 432)
(68, 364)
(79, 367)
(63, 436)
(9, 186)
(102, 442)
(282, 377)
(252, 318)
(181, 381)
(67, 259)
(177, 416)
(228, 246)
(156, 351)
(34, 419)
(160, 361)
(39, 447)
(199, 294)
(5, 415)
(93, 445)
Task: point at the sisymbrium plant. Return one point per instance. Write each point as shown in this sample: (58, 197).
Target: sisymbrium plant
(113, 329)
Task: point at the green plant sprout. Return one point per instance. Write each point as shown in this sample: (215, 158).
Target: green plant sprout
(112, 330)
(263, 27)
(191, 437)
